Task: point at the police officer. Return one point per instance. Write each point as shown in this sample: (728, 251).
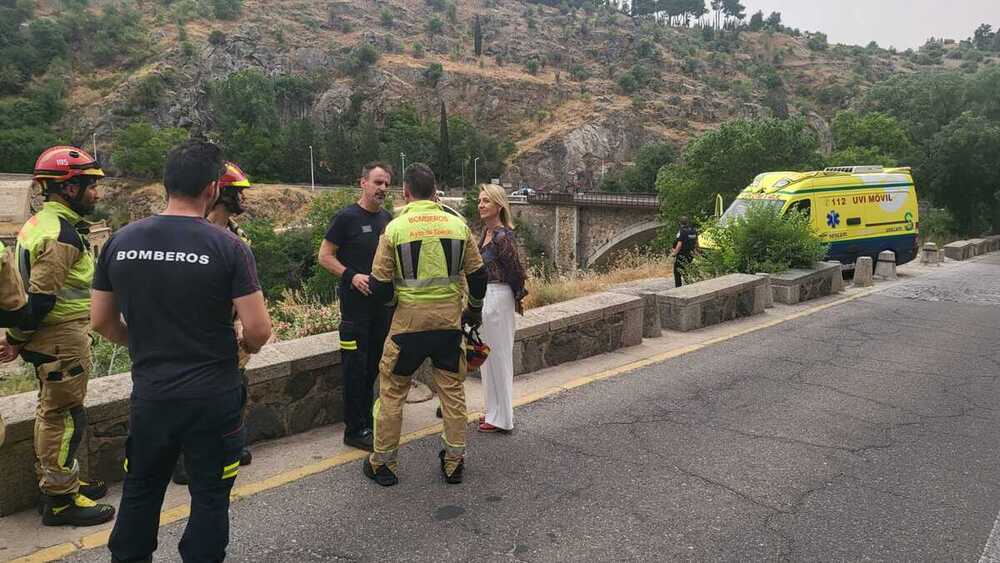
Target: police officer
(175, 279)
(420, 260)
(230, 204)
(348, 250)
(684, 249)
(56, 264)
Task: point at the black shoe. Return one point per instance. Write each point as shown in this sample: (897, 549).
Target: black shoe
(75, 510)
(438, 414)
(93, 490)
(146, 560)
(363, 441)
(456, 476)
(180, 473)
(246, 458)
(384, 476)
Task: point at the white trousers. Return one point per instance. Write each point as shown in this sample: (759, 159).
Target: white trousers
(498, 371)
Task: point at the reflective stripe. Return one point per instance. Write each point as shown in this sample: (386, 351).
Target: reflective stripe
(231, 470)
(473, 302)
(348, 344)
(406, 252)
(456, 257)
(67, 437)
(125, 465)
(428, 282)
(73, 293)
(376, 408)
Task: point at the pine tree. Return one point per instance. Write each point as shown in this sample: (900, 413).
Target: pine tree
(478, 32)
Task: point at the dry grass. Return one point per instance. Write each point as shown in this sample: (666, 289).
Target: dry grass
(627, 267)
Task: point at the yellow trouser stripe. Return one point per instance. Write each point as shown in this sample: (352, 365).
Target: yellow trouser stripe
(376, 408)
(348, 344)
(231, 470)
(66, 438)
(125, 465)
(231, 474)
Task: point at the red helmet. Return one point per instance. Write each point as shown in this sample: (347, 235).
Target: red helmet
(64, 163)
(233, 177)
(476, 351)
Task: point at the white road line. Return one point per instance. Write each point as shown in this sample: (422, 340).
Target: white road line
(991, 553)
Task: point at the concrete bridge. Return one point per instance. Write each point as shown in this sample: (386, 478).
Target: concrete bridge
(584, 230)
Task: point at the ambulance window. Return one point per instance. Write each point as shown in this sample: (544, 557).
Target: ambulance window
(802, 206)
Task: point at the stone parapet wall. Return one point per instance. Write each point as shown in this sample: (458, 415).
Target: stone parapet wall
(713, 301)
(798, 285)
(297, 385)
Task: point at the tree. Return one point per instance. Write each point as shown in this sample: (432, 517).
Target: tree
(877, 133)
(817, 42)
(726, 160)
(216, 38)
(478, 36)
(963, 171)
(640, 177)
(757, 21)
(983, 38)
(432, 74)
(141, 149)
(774, 21)
(444, 144)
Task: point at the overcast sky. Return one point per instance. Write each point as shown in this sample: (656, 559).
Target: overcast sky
(899, 23)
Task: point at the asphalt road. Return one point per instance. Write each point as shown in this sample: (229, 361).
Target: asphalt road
(868, 431)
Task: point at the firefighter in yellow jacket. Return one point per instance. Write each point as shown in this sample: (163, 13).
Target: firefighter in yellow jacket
(56, 265)
(13, 301)
(420, 261)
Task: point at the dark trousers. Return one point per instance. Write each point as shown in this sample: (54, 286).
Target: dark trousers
(363, 327)
(209, 433)
(680, 263)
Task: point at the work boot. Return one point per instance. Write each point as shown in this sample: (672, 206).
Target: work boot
(75, 510)
(456, 476)
(146, 560)
(180, 473)
(246, 458)
(364, 440)
(384, 476)
(93, 490)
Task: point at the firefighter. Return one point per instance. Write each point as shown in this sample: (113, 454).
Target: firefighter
(56, 265)
(420, 261)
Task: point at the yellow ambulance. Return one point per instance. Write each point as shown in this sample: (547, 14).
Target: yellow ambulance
(858, 210)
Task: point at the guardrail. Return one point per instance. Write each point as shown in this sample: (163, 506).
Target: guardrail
(596, 199)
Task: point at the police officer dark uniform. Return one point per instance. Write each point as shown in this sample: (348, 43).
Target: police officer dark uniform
(348, 250)
(685, 246)
(421, 259)
(176, 278)
(56, 265)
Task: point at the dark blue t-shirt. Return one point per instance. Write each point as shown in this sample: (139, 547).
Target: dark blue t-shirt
(356, 231)
(174, 279)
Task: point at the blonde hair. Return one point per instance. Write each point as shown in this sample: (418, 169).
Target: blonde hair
(497, 196)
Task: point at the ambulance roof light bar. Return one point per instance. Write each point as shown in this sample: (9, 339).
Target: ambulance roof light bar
(855, 169)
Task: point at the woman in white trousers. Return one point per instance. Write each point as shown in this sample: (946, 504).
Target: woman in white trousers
(503, 297)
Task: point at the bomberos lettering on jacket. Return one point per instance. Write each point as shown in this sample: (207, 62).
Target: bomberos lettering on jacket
(162, 256)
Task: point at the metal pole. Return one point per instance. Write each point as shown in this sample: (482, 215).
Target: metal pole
(475, 168)
(402, 155)
(312, 170)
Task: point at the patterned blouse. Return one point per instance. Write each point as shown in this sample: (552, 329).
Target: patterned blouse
(501, 260)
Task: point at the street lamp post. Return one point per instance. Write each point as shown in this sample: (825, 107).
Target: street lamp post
(475, 169)
(312, 169)
(402, 156)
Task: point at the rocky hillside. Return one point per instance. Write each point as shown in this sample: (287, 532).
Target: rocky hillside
(575, 91)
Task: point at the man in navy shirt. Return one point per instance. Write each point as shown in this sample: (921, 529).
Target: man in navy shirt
(348, 251)
(175, 279)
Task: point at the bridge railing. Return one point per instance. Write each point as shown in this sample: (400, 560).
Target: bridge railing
(597, 199)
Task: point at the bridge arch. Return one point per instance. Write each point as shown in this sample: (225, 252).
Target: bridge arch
(636, 234)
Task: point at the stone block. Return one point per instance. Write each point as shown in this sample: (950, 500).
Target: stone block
(633, 328)
(798, 285)
(837, 282)
(533, 323)
(978, 246)
(647, 290)
(929, 255)
(711, 302)
(886, 267)
(788, 294)
(863, 272)
(311, 352)
(958, 250)
(18, 484)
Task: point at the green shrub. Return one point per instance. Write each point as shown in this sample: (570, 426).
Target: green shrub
(762, 240)
(938, 226)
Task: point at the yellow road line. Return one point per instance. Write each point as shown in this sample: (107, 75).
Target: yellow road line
(100, 539)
